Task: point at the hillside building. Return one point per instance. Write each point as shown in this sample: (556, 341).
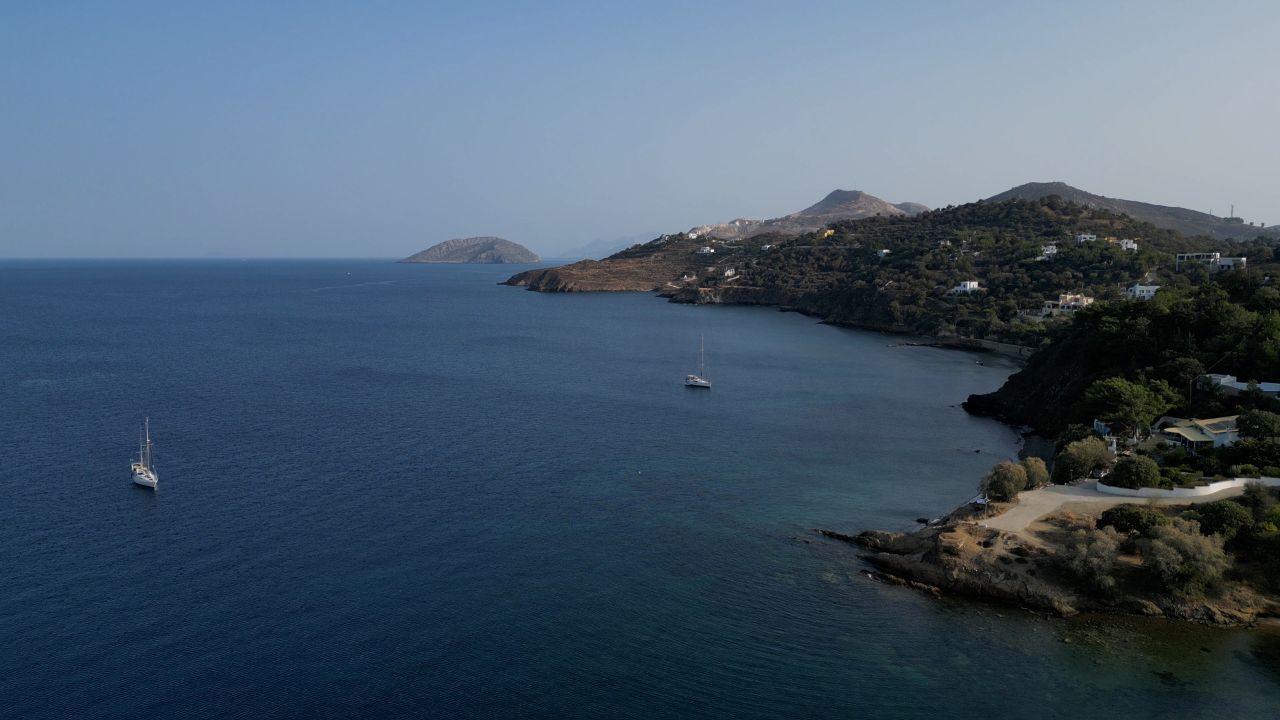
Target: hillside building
(966, 287)
(1066, 304)
(1213, 260)
(1141, 292)
(1230, 386)
(1194, 434)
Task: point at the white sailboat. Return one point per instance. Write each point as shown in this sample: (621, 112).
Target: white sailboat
(700, 380)
(144, 472)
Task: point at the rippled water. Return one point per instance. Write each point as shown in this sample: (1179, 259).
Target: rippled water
(393, 490)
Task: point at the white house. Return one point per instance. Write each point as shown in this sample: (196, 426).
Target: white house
(1082, 238)
(1231, 263)
(1129, 245)
(883, 253)
(1201, 434)
(1231, 386)
(1048, 252)
(693, 236)
(966, 286)
(730, 272)
(706, 250)
(1141, 292)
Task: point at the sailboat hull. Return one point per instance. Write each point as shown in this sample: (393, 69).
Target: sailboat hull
(694, 381)
(144, 476)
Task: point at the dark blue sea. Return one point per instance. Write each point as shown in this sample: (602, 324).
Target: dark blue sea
(406, 491)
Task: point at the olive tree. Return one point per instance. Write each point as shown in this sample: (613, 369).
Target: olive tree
(1184, 562)
(1037, 474)
(1004, 482)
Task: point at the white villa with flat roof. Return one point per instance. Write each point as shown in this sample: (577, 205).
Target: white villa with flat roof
(1231, 386)
(1214, 260)
(1048, 252)
(1082, 238)
(966, 286)
(1141, 292)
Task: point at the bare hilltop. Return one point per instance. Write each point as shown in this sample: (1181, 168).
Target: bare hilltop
(837, 205)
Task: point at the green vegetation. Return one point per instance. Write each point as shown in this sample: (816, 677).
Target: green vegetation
(1091, 557)
(1127, 406)
(1080, 458)
(1004, 482)
(1131, 519)
(1037, 474)
(1224, 518)
(1131, 361)
(1184, 562)
(1259, 424)
(1135, 471)
(844, 279)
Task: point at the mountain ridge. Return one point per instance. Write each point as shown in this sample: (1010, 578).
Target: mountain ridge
(836, 206)
(1188, 222)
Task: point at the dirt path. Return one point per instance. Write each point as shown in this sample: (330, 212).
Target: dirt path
(1035, 504)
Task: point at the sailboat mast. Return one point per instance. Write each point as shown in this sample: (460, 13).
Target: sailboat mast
(146, 424)
(702, 356)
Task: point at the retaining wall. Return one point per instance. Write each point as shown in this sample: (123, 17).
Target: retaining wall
(1198, 491)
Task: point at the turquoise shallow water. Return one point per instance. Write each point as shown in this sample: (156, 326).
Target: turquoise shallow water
(399, 491)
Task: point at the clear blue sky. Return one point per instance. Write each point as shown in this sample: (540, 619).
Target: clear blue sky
(379, 128)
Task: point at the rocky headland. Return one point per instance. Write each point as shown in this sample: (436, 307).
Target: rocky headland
(959, 556)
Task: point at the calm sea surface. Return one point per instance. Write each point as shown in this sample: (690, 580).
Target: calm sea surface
(395, 491)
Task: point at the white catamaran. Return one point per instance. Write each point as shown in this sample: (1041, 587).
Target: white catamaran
(700, 380)
(144, 472)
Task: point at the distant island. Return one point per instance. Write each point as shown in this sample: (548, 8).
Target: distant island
(475, 250)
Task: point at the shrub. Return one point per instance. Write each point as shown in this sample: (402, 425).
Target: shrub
(1080, 458)
(1091, 556)
(1260, 500)
(1073, 433)
(1004, 482)
(1132, 519)
(1037, 474)
(1184, 562)
(1271, 471)
(1259, 424)
(1176, 456)
(1245, 470)
(1135, 471)
(1225, 518)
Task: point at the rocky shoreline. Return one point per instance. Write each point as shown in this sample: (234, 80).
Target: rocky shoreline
(958, 556)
